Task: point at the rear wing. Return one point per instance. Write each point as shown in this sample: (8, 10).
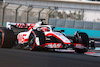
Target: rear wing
(9, 25)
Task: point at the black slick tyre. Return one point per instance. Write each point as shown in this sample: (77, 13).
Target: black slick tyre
(7, 38)
(83, 39)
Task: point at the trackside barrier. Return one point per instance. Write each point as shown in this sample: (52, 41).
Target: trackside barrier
(70, 26)
(71, 31)
(4, 24)
(77, 24)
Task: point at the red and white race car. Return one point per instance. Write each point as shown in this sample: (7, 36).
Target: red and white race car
(34, 36)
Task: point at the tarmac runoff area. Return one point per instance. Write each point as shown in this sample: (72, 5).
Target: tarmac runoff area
(95, 52)
(64, 58)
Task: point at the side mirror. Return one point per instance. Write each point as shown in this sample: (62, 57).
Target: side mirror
(62, 31)
(53, 28)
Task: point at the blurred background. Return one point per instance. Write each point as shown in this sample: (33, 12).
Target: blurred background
(74, 14)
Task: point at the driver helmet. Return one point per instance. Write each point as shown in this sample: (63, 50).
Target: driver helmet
(45, 29)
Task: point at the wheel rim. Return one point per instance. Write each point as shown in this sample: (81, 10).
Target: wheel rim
(31, 41)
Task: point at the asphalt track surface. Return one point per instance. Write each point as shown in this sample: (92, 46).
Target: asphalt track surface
(26, 58)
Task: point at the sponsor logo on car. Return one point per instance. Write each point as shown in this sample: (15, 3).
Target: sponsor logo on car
(54, 45)
(78, 45)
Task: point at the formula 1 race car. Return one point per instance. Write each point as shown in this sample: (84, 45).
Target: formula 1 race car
(34, 36)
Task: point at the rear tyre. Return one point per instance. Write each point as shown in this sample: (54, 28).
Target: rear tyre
(7, 38)
(83, 39)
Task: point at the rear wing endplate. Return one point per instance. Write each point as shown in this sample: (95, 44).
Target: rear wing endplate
(19, 25)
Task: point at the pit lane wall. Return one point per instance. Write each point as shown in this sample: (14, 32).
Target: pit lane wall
(71, 26)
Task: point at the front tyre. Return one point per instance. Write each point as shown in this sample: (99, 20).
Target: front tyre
(81, 50)
(83, 39)
(31, 42)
